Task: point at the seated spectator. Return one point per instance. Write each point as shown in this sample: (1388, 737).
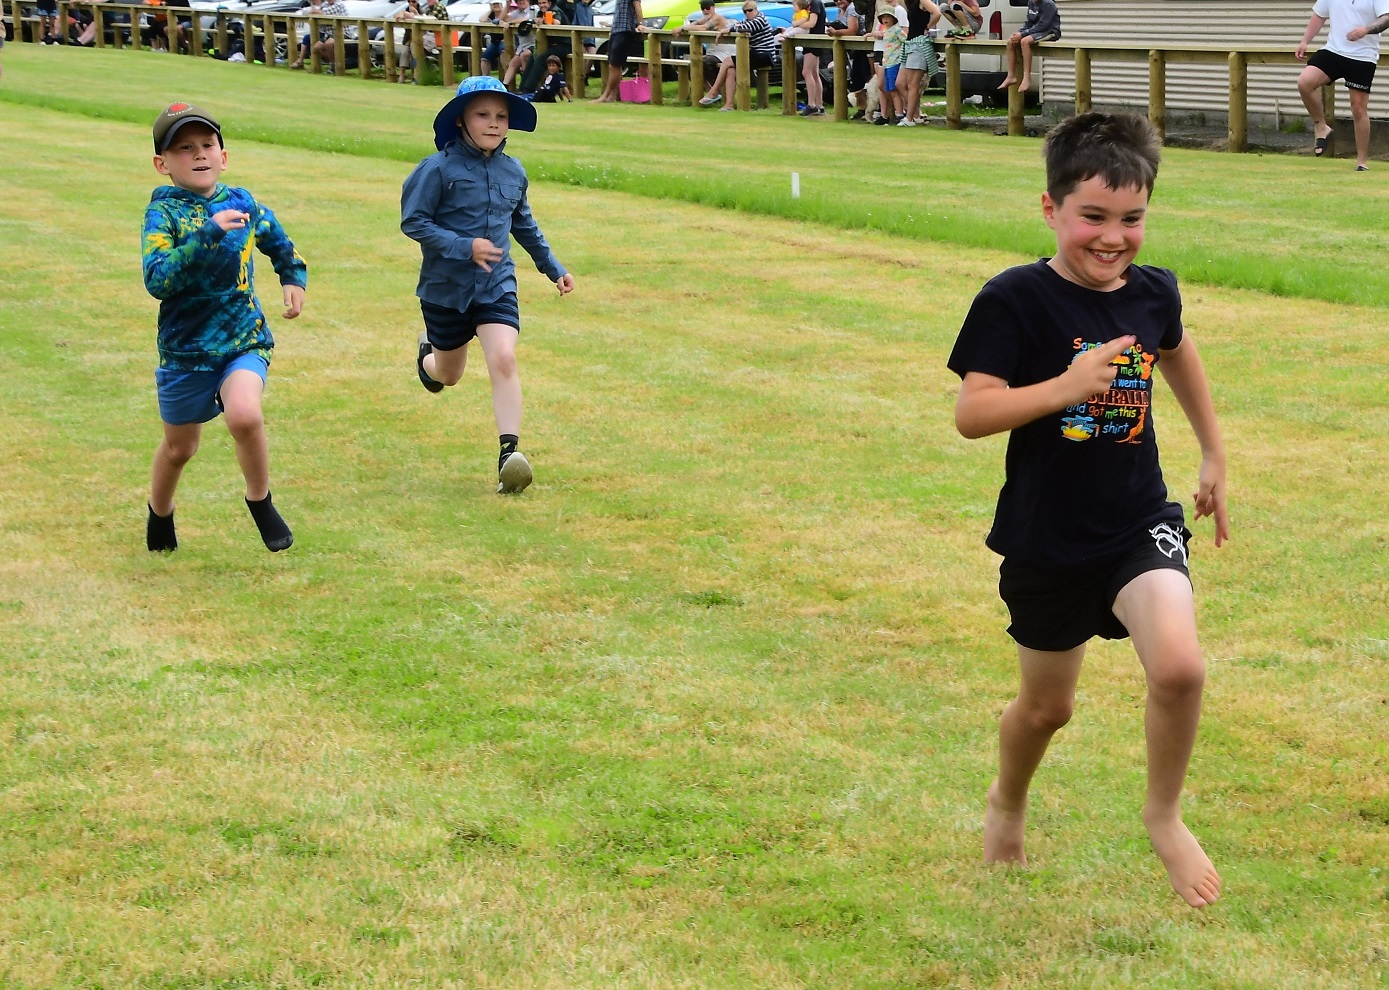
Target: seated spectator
(964, 17)
(709, 19)
(763, 53)
(553, 87)
(1043, 23)
(436, 11)
(492, 43)
(523, 16)
(325, 44)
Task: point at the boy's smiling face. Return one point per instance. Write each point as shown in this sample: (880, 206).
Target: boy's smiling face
(1098, 232)
(194, 158)
(485, 121)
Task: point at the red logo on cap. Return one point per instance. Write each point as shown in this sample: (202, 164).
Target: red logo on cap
(177, 108)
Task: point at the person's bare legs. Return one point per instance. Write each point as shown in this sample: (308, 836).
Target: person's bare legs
(1160, 615)
(499, 350)
(1309, 85)
(814, 86)
(446, 367)
(725, 70)
(611, 93)
(1360, 113)
(1026, 84)
(911, 91)
(241, 397)
(1046, 698)
(1010, 58)
(177, 448)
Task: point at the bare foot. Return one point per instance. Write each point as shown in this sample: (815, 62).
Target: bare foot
(1007, 82)
(1189, 869)
(1024, 86)
(1003, 832)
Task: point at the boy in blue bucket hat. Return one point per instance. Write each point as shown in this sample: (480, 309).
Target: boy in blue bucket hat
(463, 204)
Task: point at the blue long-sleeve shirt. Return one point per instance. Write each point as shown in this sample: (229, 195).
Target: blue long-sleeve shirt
(456, 195)
(203, 275)
(1042, 20)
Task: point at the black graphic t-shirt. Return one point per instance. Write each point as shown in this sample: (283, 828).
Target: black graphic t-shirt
(1082, 484)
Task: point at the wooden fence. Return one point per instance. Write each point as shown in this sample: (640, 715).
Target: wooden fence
(265, 31)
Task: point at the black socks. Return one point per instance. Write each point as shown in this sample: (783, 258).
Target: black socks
(159, 533)
(509, 442)
(272, 528)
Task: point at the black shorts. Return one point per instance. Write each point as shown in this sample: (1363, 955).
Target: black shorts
(450, 329)
(761, 60)
(1060, 608)
(623, 46)
(48, 8)
(1357, 74)
(860, 71)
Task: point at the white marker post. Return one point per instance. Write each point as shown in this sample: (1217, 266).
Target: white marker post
(795, 185)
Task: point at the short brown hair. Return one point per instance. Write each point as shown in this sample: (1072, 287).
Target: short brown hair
(1121, 148)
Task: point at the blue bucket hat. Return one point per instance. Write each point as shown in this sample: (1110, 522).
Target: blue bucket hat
(446, 123)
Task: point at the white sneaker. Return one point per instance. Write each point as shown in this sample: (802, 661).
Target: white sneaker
(515, 474)
(906, 123)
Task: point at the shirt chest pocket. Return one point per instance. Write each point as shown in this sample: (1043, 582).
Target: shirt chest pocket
(506, 196)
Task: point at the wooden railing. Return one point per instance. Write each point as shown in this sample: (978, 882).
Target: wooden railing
(267, 29)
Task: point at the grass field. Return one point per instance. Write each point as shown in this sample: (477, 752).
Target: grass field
(714, 703)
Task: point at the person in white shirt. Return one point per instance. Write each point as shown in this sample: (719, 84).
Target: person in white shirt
(1351, 53)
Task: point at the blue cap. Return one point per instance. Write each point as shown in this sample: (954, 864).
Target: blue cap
(446, 123)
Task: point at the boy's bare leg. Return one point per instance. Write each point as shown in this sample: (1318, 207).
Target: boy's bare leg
(177, 448)
(446, 367)
(1046, 697)
(1026, 83)
(1010, 59)
(1160, 615)
(241, 395)
(499, 349)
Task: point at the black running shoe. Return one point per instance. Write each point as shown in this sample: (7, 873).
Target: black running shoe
(425, 349)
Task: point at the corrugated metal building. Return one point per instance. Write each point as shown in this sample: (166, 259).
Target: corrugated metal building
(1272, 88)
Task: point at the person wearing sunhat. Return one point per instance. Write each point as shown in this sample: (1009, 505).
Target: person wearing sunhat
(463, 204)
(214, 343)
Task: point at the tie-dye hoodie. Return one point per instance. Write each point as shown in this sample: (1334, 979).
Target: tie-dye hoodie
(202, 275)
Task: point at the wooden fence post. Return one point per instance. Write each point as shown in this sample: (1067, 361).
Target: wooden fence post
(416, 51)
(475, 61)
(98, 19)
(315, 62)
(339, 48)
(697, 83)
(388, 59)
(654, 69)
(954, 93)
(1239, 103)
(171, 33)
(1157, 91)
(742, 66)
(17, 16)
(268, 39)
(135, 40)
(788, 83)
(446, 55)
(1017, 112)
(1083, 85)
(840, 54)
(363, 51)
(62, 22)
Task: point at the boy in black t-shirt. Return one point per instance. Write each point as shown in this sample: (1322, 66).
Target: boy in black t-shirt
(1061, 354)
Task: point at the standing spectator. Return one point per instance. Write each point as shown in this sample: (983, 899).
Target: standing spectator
(879, 45)
(846, 22)
(583, 17)
(624, 42)
(919, 57)
(810, 62)
(894, 40)
(49, 31)
(762, 54)
(964, 16)
(1350, 54)
(1042, 23)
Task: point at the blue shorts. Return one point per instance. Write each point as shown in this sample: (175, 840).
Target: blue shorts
(450, 329)
(187, 397)
(890, 77)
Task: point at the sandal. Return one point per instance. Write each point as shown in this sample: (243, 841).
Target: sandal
(1319, 148)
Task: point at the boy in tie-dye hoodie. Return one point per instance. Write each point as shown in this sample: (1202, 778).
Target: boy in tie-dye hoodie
(214, 344)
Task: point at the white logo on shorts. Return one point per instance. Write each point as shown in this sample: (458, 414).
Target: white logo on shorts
(1168, 539)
